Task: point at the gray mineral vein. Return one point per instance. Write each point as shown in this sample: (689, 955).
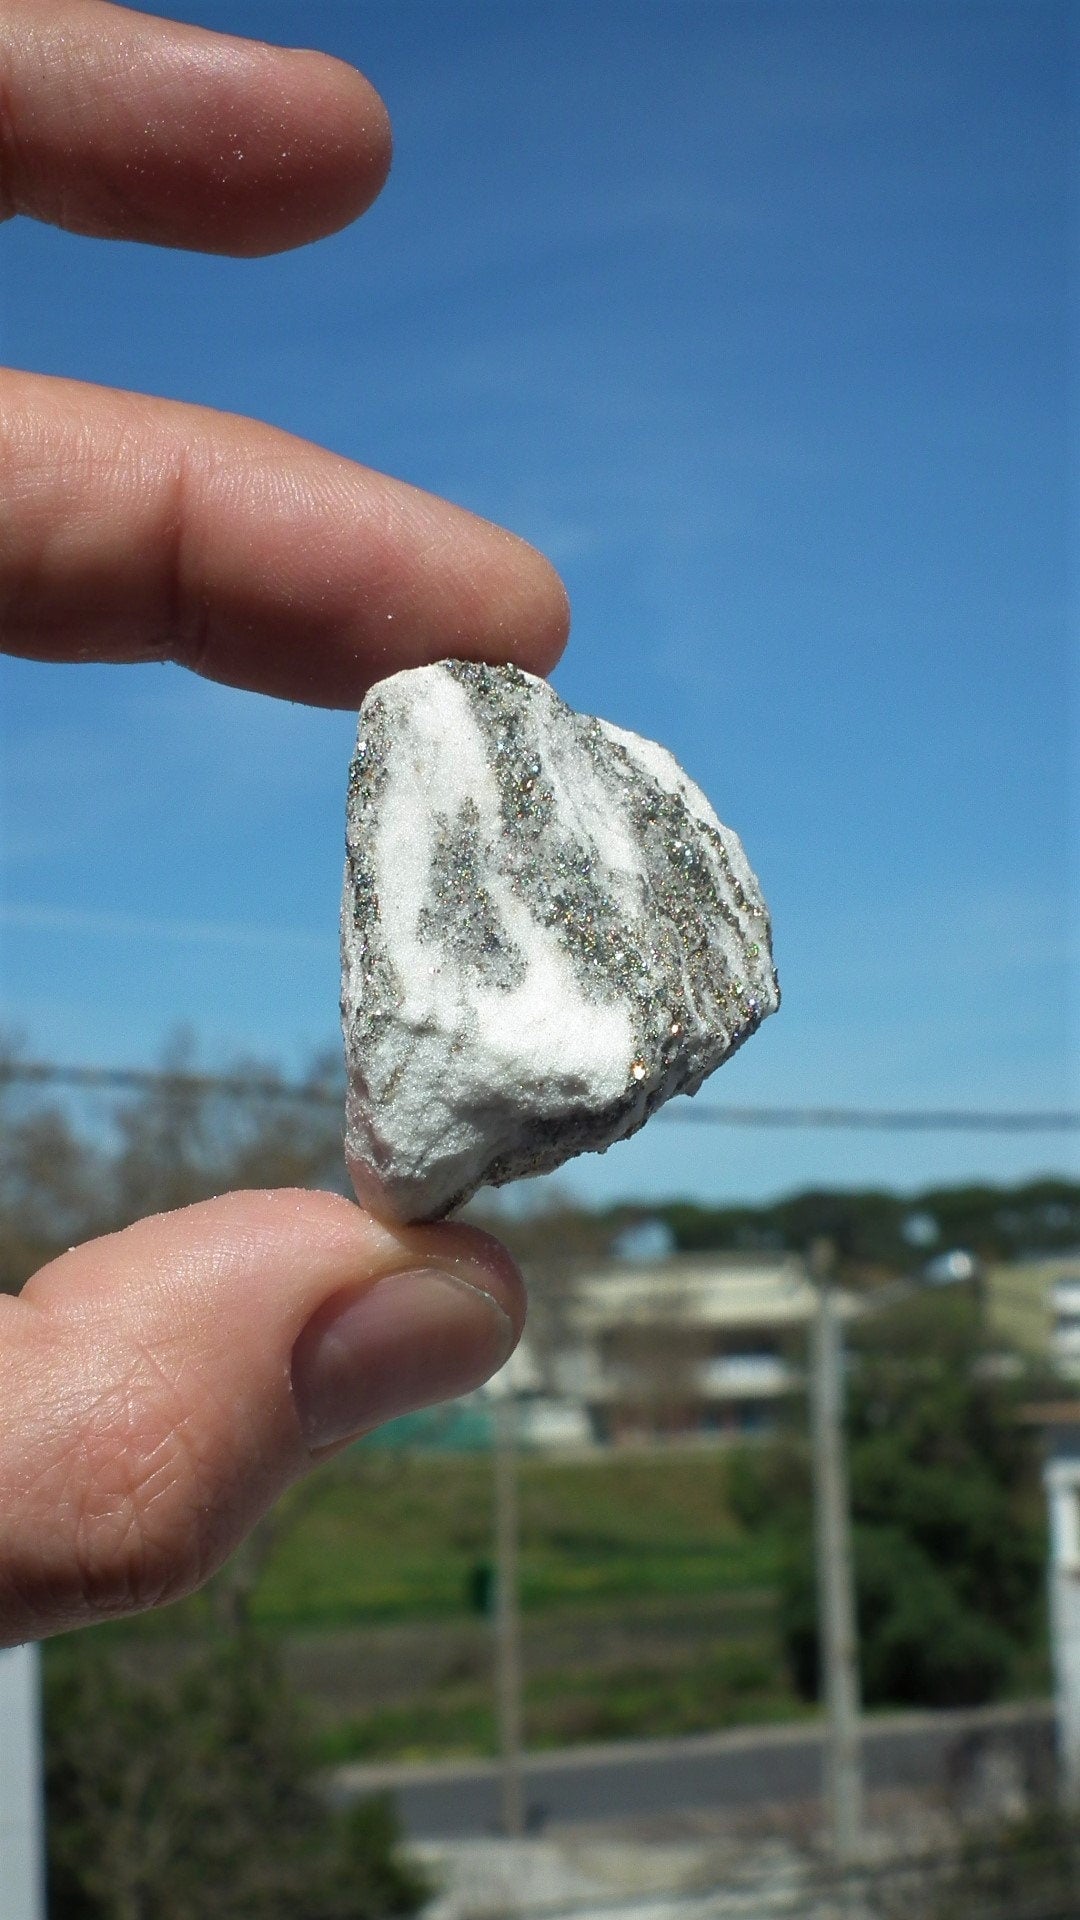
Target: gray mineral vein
(546, 933)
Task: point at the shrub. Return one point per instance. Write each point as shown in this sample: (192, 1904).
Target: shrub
(918, 1644)
(192, 1798)
(947, 1517)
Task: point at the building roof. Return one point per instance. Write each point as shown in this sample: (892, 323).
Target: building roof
(698, 1290)
(1051, 1413)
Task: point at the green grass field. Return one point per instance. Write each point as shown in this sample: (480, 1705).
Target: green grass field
(729, 1686)
(403, 1544)
(648, 1609)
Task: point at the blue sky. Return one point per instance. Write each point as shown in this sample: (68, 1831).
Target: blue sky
(760, 319)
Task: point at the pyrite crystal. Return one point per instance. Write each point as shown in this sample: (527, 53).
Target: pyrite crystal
(545, 931)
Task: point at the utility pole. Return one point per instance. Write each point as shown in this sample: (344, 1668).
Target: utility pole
(837, 1632)
(22, 1824)
(508, 1613)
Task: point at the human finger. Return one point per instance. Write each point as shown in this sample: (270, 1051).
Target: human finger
(119, 124)
(162, 1386)
(139, 529)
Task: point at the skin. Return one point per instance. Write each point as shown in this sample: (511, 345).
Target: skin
(150, 1415)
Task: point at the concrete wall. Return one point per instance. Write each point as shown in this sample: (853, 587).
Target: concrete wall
(1062, 1474)
(22, 1877)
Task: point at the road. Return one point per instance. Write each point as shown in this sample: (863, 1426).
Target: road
(752, 1767)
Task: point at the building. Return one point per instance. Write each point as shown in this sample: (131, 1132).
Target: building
(547, 1416)
(1065, 1320)
(1060, 1424)
(1033, 1306)
(694, 1344)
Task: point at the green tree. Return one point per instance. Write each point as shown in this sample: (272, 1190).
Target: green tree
(192, 1798)
(869, 1229)
(919, 1645)
(947, 1513)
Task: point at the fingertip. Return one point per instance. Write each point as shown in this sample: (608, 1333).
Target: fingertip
(347, 146)
(125, 125)
(300, 574)
(497, 598)
(301, 1230)
(483, 1261)
(551, 616)
(316, 155)
(476, 1256)
(163, 1385)
(373, 129)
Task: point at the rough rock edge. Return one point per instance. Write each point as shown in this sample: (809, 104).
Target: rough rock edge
(684, 896)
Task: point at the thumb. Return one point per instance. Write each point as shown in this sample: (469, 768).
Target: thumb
(162, 1386)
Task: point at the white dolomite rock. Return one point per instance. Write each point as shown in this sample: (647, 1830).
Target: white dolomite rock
(545, 933)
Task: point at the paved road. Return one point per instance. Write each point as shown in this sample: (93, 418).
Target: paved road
(754, 1766)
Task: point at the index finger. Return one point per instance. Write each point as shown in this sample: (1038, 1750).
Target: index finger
(139, 529)
(117, 124)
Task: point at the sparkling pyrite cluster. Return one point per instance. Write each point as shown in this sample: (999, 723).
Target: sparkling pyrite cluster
(546, 932)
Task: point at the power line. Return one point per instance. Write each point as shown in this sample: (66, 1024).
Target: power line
(149, 1080)
(882, 1119)
(241, 1086)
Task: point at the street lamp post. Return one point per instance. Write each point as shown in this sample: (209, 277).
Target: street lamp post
(508, 1613)
(837, 1631)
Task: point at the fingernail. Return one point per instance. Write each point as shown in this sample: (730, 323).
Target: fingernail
(404, 1342)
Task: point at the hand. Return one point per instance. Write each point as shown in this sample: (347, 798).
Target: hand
(161, 1386)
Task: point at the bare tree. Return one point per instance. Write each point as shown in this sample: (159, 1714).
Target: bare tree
(51, 1179)
(70, 1170)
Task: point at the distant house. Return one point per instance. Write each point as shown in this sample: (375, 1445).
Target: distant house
(548, 1415)
(693, 1344)
(956, 1268)
(1034, 1306)
(1065, 1320)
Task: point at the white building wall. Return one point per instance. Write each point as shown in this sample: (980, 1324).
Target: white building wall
(1063, 1496)
(22, 1870)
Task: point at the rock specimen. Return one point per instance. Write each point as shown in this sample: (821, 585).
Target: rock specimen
(546, 933)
